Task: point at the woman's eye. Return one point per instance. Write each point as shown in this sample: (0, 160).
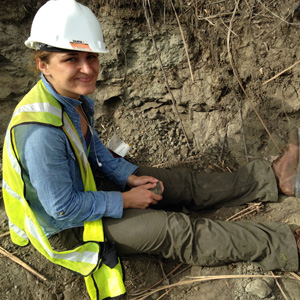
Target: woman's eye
(71, 59)
(92, 56)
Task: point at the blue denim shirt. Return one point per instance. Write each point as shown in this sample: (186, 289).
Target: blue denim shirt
(54, 187)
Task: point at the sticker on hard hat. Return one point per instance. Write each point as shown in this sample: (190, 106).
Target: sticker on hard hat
(80, 45)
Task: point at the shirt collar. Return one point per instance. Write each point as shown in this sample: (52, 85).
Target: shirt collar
(62, 99)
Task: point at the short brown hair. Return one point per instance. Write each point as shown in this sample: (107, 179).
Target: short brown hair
(42, 55)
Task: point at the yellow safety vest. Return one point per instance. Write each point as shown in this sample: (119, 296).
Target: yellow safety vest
(102, 281)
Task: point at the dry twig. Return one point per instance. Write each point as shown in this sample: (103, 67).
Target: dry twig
(167, 292)
(147, 11)
(166, 280)
(295, 275)
(253, 207)
(183, 39)
(242, 129)
(280, 288)
(159, 282)
(173, 163)
(224, 169)
(132, 281)
(223, 144)
(21, 263)
(275, 15)
(4, 234)
(238, 79)
(181, 271)
(214, 16)
(274, 77)
(201, 279)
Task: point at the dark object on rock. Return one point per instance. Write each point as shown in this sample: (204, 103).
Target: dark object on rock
(157, 190)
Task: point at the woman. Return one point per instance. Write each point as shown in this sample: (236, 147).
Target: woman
(53, 161)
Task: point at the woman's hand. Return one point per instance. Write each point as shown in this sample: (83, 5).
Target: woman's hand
(140, 196)
(134, 181)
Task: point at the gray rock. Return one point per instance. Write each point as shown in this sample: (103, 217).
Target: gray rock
(259, 288)
(157, 190)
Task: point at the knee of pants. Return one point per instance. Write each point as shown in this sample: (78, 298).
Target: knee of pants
(138, 231)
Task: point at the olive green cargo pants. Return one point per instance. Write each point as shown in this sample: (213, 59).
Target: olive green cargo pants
(201, 241)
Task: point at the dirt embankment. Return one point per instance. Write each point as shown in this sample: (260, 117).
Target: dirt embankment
(210, 109)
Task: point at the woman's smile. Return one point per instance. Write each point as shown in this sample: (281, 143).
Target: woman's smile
(72, 73)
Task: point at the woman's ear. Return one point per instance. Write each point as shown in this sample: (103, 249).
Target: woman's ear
(42, 66)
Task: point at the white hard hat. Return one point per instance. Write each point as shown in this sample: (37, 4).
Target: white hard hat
(61, 25)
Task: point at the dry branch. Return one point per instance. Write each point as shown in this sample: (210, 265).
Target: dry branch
(183, 39)
(4, 234)
(274, 77)
(214, 16)
(175, 163)
(147, 12)
(165, 278)
(280, 288)
(238, 79)
(167, 292)
(250, 209)
(145, 271)
(201, 279)
(242, 129)
(275, 15)
(21, 263)
(223, 144)
(295, 275)
(142, 292)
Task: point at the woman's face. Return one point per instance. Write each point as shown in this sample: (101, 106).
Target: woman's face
(71, 73)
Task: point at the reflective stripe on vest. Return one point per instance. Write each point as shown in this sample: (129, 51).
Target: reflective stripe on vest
(23, 224)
